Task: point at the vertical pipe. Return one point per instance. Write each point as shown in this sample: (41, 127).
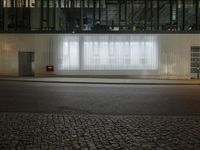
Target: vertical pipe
(145, 14)
(68, 3)
(183, 15)
(66, 14)
(158, 10)
(132, 14)
(16, 16)
(54, 15)
(81, 12)
(48, 25)
(12, 4)
(29, 16)
(3, 17)
(94, 6)
(72, 3)
(151, 14)
(65, 3)
(171, 5)
(176, 14)
(106, 14)
(2, 13)
(59, 3)
(125, 11)
(196, 14)
(119, 5)
(41, 15)
(100, 10)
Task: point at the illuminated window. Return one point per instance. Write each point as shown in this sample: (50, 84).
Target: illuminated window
(120, 55)
(109, 53)
(70, 56)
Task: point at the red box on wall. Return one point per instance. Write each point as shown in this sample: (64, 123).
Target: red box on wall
(49, 68)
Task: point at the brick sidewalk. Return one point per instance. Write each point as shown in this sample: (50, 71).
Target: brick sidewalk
(90, 132)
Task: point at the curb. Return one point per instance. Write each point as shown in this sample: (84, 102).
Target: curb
(114, 83)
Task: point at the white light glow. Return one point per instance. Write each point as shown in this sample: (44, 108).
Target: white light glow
(119, 55)
(99, 53)
(70, 56)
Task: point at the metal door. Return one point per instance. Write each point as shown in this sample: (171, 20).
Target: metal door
(25, 63)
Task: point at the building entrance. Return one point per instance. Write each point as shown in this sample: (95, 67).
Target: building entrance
(26, 60)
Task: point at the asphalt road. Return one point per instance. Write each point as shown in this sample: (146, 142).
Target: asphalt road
(100, 99)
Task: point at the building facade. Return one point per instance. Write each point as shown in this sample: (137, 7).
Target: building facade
(136, 38)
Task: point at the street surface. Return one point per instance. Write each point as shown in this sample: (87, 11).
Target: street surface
(100, 99)
(60, 116)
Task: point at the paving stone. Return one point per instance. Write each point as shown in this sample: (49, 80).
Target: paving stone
(34, 131)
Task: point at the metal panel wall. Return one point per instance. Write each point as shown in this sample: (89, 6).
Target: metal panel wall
(139, 55)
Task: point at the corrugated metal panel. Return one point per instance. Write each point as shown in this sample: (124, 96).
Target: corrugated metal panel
(141, 55)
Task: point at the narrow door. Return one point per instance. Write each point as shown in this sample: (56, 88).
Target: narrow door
(25, 63)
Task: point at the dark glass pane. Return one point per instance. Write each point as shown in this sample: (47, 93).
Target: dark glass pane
(154, 15)
(180, 15)
(113, 16)
(122, 16)
(129, 15)
(148, 15)
(35, 15)
(102, 21)
(138, 15)
(164, 15)
(190, 22)
(88, 15)
(174, 15)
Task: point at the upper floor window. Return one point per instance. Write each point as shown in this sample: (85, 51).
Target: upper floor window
(101, 15)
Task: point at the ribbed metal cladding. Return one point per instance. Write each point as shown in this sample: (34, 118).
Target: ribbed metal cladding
(139, 55)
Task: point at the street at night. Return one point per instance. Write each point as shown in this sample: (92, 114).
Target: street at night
(99, 116)
(100, 98)
(99, 74)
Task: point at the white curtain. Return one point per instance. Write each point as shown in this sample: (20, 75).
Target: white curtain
(109, 52)
(69, 53)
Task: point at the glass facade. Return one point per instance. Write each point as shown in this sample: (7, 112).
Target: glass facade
(99, 16)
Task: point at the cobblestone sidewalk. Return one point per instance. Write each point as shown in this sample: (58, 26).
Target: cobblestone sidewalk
(90, 132)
